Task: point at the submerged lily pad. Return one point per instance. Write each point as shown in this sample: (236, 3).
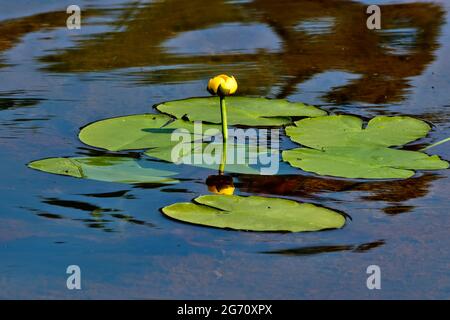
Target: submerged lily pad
(362, 162)
(110, 169)
(255, 213)
(240, 110)
(242, 159)
(343, 148)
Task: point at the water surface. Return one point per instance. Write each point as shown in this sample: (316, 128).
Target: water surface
(131, 55)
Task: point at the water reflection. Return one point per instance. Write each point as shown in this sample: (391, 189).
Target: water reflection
(15, 120)
(12, 30)
(49, 215)
(72, 204)
(12, 100)
(105, 219)
(220, 184)
(393, 194)
(175, 41)
(303, 251)
(292, 185)
(113, 194)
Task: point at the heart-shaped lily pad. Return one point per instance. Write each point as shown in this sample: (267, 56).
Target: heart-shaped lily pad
(348, 131)
(362, 162)
(110, 169)
(141, 131)
(241, 110)
(345, 149)
(255, 213)
(155, 133)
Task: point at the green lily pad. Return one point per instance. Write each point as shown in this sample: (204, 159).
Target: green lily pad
(135, 132)
(363, 162)
(240, 110)
(255, 213)
(110, 169)
(343, 148)
(154, 132)
(343, 131)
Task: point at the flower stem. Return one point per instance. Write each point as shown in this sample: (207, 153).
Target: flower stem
(223, 112)
(224, 159)
(435, 144)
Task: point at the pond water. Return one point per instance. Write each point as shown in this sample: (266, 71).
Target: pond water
(129, 56)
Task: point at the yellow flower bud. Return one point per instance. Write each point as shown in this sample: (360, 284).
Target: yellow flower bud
(222, 85)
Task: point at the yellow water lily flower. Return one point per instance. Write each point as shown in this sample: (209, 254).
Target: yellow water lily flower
(222, 85)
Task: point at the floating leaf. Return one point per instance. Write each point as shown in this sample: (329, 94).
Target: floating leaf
(343, 131)
(345, 149)
(362, 162)
(255, 213)
(136, 132)
(110, 169)
(155, 133)
(241, 110)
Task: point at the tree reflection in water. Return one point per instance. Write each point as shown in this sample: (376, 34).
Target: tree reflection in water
(384, 60)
